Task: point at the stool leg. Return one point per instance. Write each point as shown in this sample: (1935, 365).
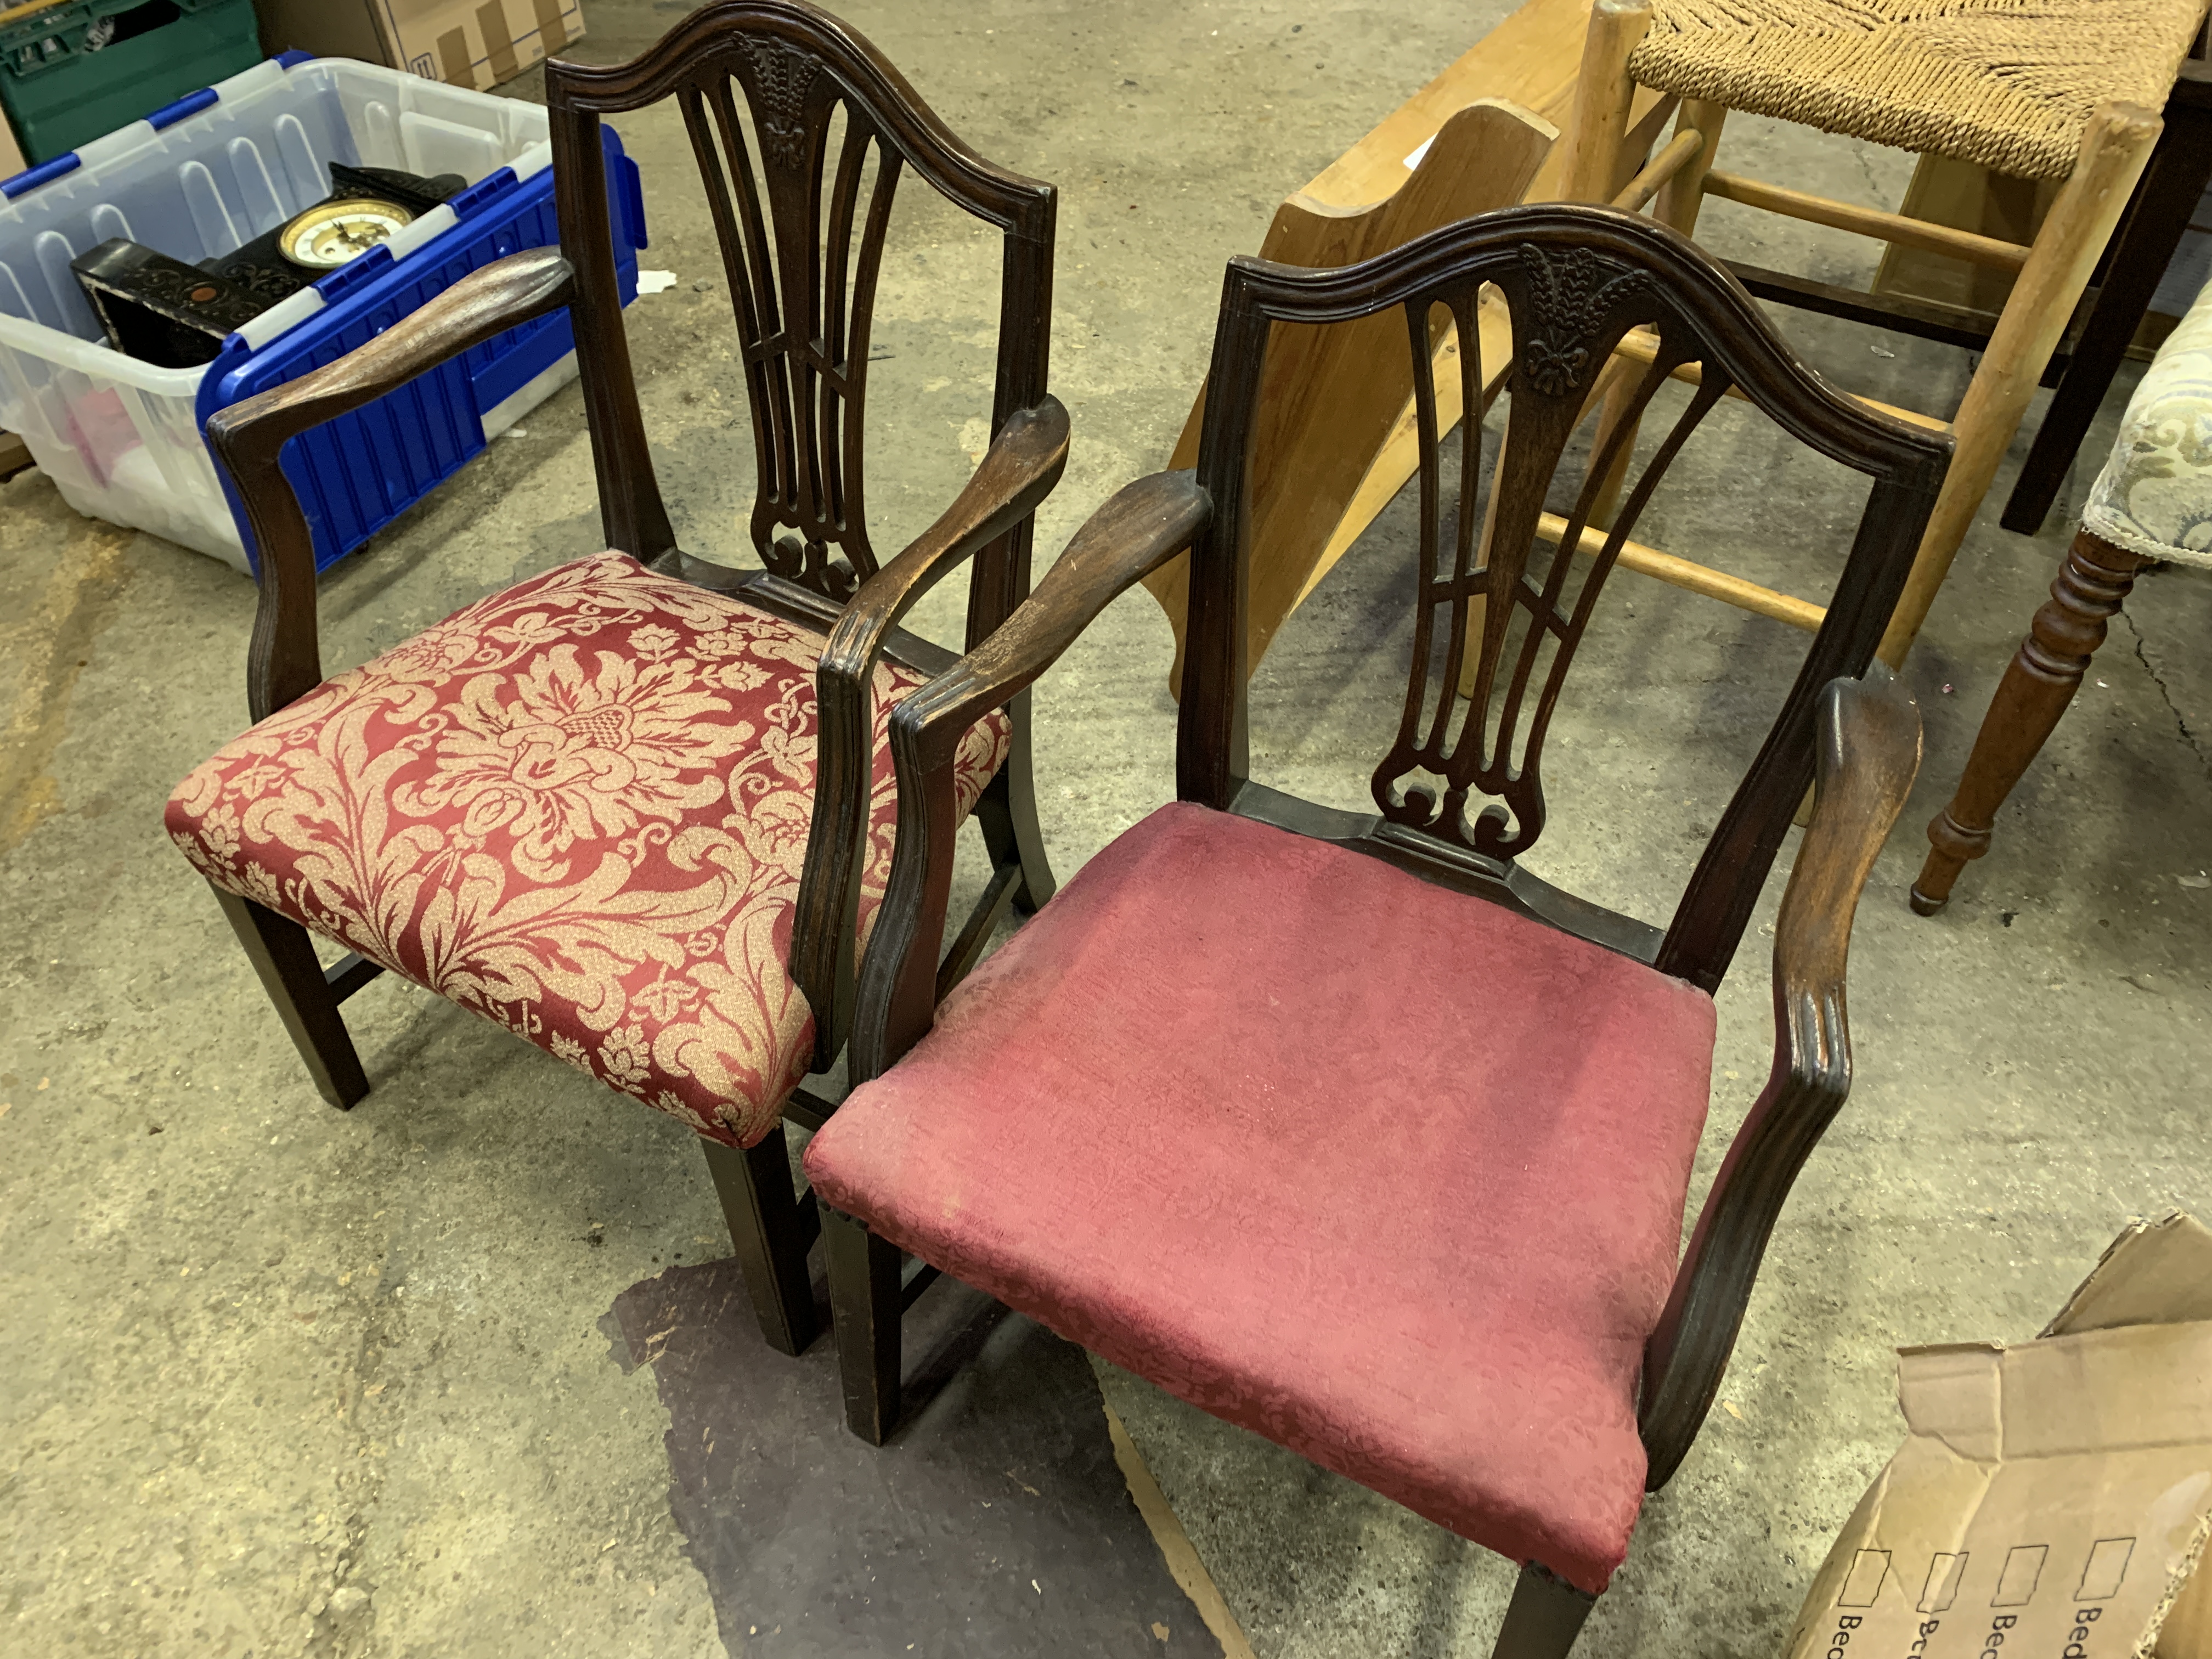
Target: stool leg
(2115, 146)
(2172, 184)
(1592, 170)
(1681, 196)
(2044, 674)
(1677, 204)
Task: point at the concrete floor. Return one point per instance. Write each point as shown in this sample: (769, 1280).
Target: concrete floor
(281, 1381)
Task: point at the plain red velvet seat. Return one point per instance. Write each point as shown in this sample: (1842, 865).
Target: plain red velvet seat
(1384, 1172)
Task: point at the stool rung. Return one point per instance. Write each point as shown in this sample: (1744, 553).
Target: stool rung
(1698, 578)
(1643, 347)
(1866, 222)
(1671, 160)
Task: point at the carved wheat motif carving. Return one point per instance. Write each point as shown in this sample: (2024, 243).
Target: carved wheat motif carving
(783, 76)
(1569, 293)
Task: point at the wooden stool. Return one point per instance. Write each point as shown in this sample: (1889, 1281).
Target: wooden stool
(2036, 88)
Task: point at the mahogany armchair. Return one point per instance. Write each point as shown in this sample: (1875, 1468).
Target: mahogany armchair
(637, 809)
(1347, 1127)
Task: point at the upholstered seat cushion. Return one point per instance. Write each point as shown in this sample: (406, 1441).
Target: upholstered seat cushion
(1389, 1174)
(578, 808)
(2154, 495)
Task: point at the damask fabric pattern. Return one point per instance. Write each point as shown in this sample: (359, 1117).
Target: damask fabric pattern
(1384, 1172)
(2154, 495)
(2007, 84)
(580, 808)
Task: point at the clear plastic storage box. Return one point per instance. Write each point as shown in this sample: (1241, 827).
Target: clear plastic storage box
(122, 439)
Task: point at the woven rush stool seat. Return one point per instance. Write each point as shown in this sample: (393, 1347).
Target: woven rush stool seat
(2008, 84)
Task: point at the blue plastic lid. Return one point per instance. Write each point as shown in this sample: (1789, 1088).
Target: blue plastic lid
(186, 106)
(44, 173)
(353, 273)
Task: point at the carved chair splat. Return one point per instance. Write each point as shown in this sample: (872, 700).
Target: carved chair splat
(1066, 1143)
(802, 132)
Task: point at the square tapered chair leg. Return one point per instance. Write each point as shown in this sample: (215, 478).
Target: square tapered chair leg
(773, 1228)
(1544, 1617)
(866, 1302)
(282, 953)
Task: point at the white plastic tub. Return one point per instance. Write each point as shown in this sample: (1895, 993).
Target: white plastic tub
(121, 439)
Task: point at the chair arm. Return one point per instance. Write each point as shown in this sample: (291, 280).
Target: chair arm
(1139, 529)
(1868, 753)
(1019, 469)
(1133, 534)
(284, 660)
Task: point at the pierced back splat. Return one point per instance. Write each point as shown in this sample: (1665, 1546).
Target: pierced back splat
(803, 292)
(1505, 611)
(803, 133)
(1511, 598)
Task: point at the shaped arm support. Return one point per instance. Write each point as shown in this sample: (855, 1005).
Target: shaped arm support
(1019, 469)
(284, 660)
(1868, 739)
(1133, 534)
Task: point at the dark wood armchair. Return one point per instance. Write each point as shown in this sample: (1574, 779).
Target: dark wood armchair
(638, 809)
(1346, 1126)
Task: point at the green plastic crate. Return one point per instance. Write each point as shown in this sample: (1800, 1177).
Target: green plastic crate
(72, 72)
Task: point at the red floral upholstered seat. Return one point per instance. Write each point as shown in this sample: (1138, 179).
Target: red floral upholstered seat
(1422, 1234)
(578, 807)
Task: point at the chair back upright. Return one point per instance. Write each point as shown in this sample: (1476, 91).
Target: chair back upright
(801, 130)
(1500, 612)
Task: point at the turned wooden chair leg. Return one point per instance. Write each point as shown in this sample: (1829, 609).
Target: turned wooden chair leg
(2040, 682)
(2115, 146)
(1007, 811)
(1544, 1617)
(866, 1300)
(284, 953)
(773, 1228)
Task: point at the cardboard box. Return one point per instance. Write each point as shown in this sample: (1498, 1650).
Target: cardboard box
(2054, 1496)
(464, 43)
(11, 152)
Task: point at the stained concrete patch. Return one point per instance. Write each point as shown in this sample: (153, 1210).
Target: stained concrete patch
(995, 1522)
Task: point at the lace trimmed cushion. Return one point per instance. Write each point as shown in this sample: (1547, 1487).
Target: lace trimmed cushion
(2154, 496)
(578, 808)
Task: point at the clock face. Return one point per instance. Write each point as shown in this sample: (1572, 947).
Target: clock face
(325, 237)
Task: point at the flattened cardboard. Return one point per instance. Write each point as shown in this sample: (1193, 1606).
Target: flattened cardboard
(2054, 1496)
(464, 43)
(2156, 1272)
(11, 152)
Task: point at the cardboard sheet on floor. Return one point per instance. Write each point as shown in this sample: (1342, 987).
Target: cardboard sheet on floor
(2054, 1496)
